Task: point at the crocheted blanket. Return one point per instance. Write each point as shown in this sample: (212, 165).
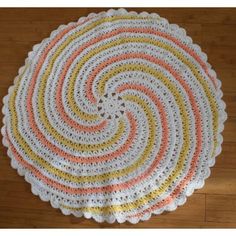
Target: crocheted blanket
(116, 117)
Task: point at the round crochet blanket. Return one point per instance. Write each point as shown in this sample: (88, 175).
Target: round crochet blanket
(115, 117)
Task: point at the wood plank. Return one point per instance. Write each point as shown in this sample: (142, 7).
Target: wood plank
(194, 31)
(229, 130)
(211, 207)
(63, 15)
(16, 55)
(227, 76)
(222, 180)
(221, 208)
(227, 158)
(218, 35)
(7, 172)
(197, 15)
(181, 15)
(230, 100)
(27, 31)
(220, 57)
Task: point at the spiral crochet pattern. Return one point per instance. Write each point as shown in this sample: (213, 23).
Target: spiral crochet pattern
(116, 117)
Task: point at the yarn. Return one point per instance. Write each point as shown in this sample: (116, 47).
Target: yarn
(116, 117)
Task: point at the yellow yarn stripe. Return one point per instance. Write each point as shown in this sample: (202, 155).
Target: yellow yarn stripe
(159, 76)
(61, 174)
(179, 166)
(175, 52)
(57, 53)
(41, 106)
(40, 161)
(202, 82)
(73, 105)
(79, 146)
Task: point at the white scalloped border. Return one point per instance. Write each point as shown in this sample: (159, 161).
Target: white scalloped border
(190, 188)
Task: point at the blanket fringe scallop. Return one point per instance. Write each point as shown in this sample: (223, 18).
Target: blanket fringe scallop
(190, 188)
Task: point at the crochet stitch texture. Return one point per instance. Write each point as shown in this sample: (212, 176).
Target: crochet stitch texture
(116, 117)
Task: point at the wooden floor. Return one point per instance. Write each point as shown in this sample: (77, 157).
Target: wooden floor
(212, 206)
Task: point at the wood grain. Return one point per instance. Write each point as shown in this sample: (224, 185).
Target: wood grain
(211, 207)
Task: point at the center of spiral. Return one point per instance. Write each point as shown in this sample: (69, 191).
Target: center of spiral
(111, 106)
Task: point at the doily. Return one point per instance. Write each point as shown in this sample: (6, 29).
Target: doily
(115, 117)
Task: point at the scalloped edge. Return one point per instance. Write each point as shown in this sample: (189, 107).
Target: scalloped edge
(190, 189)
